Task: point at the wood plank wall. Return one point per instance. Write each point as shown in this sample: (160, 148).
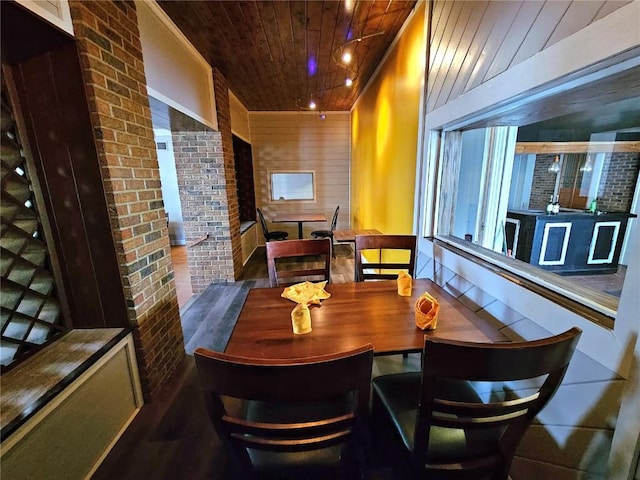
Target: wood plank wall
(239, 118)
(473, 41)
(302, 141)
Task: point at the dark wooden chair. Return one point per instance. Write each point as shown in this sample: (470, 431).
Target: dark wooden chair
(328, 233)
(447, 427)
(384, 270)
(273, 234)
(290, 419)
(310, 259)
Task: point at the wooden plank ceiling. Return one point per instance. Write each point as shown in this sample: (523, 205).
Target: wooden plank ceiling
(278, 55)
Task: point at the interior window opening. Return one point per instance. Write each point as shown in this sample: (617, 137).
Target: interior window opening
(552, 201)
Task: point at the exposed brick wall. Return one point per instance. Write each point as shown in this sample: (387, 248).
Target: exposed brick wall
(201, 183)
(616, 188)
(224, 125)
(543, 182)
(618, 182)
(111, 57)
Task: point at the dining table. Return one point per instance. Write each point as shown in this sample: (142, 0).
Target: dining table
(300, 218)
(356, 313)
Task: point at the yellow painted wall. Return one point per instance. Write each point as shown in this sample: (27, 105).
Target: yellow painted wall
(384, 135)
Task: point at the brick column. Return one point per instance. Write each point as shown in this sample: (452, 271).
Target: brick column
(111, 57)
(205, 212)
(223, 111)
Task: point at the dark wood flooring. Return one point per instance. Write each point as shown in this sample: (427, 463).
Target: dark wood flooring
(172, 438)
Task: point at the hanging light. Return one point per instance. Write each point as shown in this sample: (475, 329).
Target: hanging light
(588, 165)
(555, 166)
(348, 81)
(312, 104)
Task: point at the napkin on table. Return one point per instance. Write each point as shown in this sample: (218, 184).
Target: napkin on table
(307, 293)
(427, 309)
(405, 283)
(301, 319)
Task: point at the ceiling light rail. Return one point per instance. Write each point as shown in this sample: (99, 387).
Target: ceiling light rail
(343, 55)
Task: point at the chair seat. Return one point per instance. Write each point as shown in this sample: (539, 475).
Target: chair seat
(321, 464)
(322, 233)
(277, 235)
(399, 393)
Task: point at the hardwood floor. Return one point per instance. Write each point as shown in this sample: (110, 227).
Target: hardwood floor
(181, 274)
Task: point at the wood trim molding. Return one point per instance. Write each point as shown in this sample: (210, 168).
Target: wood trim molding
(576, 147)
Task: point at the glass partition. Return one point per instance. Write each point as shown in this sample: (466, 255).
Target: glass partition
(557, 204)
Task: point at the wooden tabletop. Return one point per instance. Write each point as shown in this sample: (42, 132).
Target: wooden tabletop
(300, 217)
(355, 314)
(350, 235)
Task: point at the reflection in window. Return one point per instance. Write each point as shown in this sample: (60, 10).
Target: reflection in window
(497, 193)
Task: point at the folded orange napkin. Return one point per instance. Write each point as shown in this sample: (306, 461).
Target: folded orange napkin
(427, 309)
(307, 293)
(405, 283)
(301, 319)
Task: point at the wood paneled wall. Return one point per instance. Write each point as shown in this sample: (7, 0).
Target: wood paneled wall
(473, 41)
(303, 141)
(239, 118)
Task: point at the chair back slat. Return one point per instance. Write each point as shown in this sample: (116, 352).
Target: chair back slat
(296, 251)
(263, 223)
(292, 445)
(487, 410)
(297, 405)
(384, 243)
(334, 221)
(289, 430)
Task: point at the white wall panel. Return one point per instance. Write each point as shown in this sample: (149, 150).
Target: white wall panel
(54, 11)
(176, 73)
(239, 118)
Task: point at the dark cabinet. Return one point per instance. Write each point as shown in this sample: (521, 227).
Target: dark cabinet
(570, 242)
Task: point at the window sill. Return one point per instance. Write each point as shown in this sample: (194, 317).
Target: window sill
(586, 302)
(246, 225)
(30, 386)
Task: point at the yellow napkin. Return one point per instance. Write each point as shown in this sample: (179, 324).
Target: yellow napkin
(404, 284)
(427, 309)
(307, 293)
(301, 319)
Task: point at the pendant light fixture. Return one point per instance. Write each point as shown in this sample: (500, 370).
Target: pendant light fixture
(555, 166)
(588, 165)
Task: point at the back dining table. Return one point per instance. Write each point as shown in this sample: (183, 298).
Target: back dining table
(300, 218)
(357, 313)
